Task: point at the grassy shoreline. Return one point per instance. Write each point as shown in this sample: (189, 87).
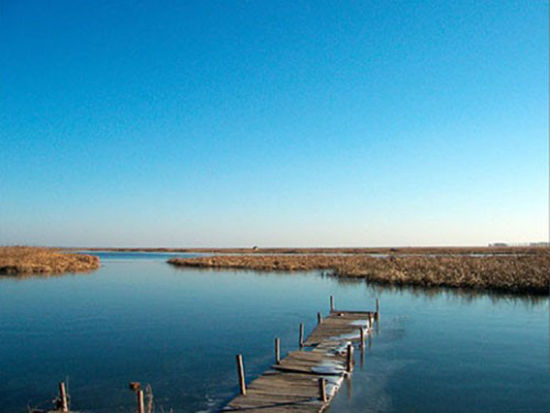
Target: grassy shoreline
(20, 260)
(341, 250)
(517, 273)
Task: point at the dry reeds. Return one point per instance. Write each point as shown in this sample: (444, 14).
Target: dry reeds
(35, 260)
(519, 273)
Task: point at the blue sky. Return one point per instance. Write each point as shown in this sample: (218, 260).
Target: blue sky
(238, 123)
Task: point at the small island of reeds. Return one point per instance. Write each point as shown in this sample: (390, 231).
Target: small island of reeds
(22, 260)
(525, 271)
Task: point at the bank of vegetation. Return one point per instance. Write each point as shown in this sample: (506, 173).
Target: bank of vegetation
(499, 250)
(22, 260)
(519, 273)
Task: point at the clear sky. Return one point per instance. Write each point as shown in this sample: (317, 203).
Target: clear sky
(239, 123)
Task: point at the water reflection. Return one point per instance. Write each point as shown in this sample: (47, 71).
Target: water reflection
(179, 330)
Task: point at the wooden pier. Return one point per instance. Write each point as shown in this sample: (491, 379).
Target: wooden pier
(306, 380)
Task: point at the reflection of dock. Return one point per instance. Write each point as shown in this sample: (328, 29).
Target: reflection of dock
(306, 380)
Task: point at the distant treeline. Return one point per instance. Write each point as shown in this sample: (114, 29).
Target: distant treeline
(534, 249)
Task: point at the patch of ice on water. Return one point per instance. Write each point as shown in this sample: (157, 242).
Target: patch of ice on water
(328, 367)
(333, 384)
(349, 336)
(361, 323)
(342, 348)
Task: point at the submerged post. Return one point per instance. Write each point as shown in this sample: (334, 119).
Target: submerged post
(362, 335)
(301, 340)
(323, 390)
(277, 350)
(63, 397)
(240, 369)
(140, 401)
(377, 308)
(319, 318)
(349, 358)
(331, 303)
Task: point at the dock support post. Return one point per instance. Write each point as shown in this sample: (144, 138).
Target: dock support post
(349, 358)
(377, 308)
(277, 351)
(240, 369)
(331, 303)
(140, 401)
(362, 335)
(323, 390)
(63, 397)
(301, 340)
(319, 318)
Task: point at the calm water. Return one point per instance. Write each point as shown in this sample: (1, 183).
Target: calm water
(139, 319)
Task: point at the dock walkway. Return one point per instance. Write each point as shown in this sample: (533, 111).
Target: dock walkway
(306, 380)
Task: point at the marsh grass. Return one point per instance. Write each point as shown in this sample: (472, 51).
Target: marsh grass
(21, 260)
(517, 273)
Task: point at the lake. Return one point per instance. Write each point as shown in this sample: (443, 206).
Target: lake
(140, 319)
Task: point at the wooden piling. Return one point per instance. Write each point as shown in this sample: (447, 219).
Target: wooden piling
(277, 351)
(377, 308)
(323, 390)
(331, 303)
(240, 369)
(349, 358)
(290, 385)
(362, 335)
(319, 318)
(140, 401)
(301, 339)
(63, 397)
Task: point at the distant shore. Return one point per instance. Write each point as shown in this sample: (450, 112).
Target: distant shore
(517, 272)
(343, 250)
(21, 260)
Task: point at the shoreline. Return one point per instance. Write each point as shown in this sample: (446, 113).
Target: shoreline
(518, 274)
(333, 250)
(20, 260)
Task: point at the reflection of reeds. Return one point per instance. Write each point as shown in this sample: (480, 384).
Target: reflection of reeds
(34, 260)
(513, 273)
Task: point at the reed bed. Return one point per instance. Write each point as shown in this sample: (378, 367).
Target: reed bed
(517, 273)
(20, 260)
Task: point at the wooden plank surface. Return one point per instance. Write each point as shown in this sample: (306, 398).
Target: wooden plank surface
(293, 384)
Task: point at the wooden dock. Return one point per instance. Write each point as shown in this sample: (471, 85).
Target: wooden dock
(306, 380)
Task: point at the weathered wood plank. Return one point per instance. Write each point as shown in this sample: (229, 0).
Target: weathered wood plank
(293, 386)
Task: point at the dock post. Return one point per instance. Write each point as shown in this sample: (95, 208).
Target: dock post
(349, 358)
(331, 303)
(323, 390)
(63, 397)
(240, 369)
(362, 335)
(140, 401)
(319, 318)
(301, 335)
(277, 351)
(377, 308)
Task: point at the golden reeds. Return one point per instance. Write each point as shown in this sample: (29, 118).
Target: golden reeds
(522, 273)
(36, 260)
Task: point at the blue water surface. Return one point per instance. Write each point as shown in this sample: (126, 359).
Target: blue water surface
(140, 319)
